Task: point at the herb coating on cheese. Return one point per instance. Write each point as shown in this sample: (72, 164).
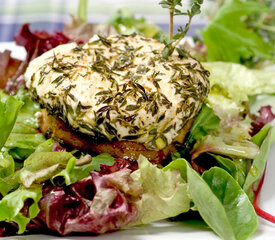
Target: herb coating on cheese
(120, 88)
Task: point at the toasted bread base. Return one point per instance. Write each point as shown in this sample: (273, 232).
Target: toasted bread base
(122, 149)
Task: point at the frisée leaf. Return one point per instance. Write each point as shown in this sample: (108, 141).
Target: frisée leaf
(165, 193)
(237, 83)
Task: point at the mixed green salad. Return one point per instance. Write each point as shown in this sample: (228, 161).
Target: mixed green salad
(47, 187)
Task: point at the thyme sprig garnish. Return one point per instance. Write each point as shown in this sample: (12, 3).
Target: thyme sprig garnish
(82, 10)
(173, 10)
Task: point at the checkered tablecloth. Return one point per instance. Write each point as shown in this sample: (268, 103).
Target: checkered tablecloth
(52, 14)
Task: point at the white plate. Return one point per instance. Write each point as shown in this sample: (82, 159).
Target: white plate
(16, 51)
(164, 230)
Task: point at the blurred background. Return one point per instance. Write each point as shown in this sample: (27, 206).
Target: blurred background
(50, 15)
(241, 31)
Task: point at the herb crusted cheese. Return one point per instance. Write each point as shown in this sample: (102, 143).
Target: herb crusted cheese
(120, 88)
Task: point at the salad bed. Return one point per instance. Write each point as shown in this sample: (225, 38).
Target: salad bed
(217, 172)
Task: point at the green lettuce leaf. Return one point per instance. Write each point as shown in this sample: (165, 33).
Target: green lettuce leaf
(236, 168)
(232, 86)
(24, 137)
(7, 168)
(30, 107)
(237, 83)
(272, 136)
(205, 122)
(41, 166)
(234, 205)
(264, 138)
(220, 200)
(9, 108)
(125, 22)
(6, 164)
(73, 173)
(11, 179)
(46, 146)
(228, 39)
(164, 195)
(224, 106)
(12, 203)
(24, 140)
(228, 145)
(5, 186)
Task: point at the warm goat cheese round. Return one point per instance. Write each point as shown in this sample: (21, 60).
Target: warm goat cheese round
(119, 87)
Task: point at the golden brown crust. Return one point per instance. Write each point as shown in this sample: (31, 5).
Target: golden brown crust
(124, 149)
(57, 129)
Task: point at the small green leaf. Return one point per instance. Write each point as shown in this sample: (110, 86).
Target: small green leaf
(12, 203)
(260, 136)
(205, 121)
(103, 158)
(236, 168)
(178, 12)
(195, 9)
(164, 3)
(177, 36)
(165, 52)
(178, 164)
(72, 173)
(256, 170)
